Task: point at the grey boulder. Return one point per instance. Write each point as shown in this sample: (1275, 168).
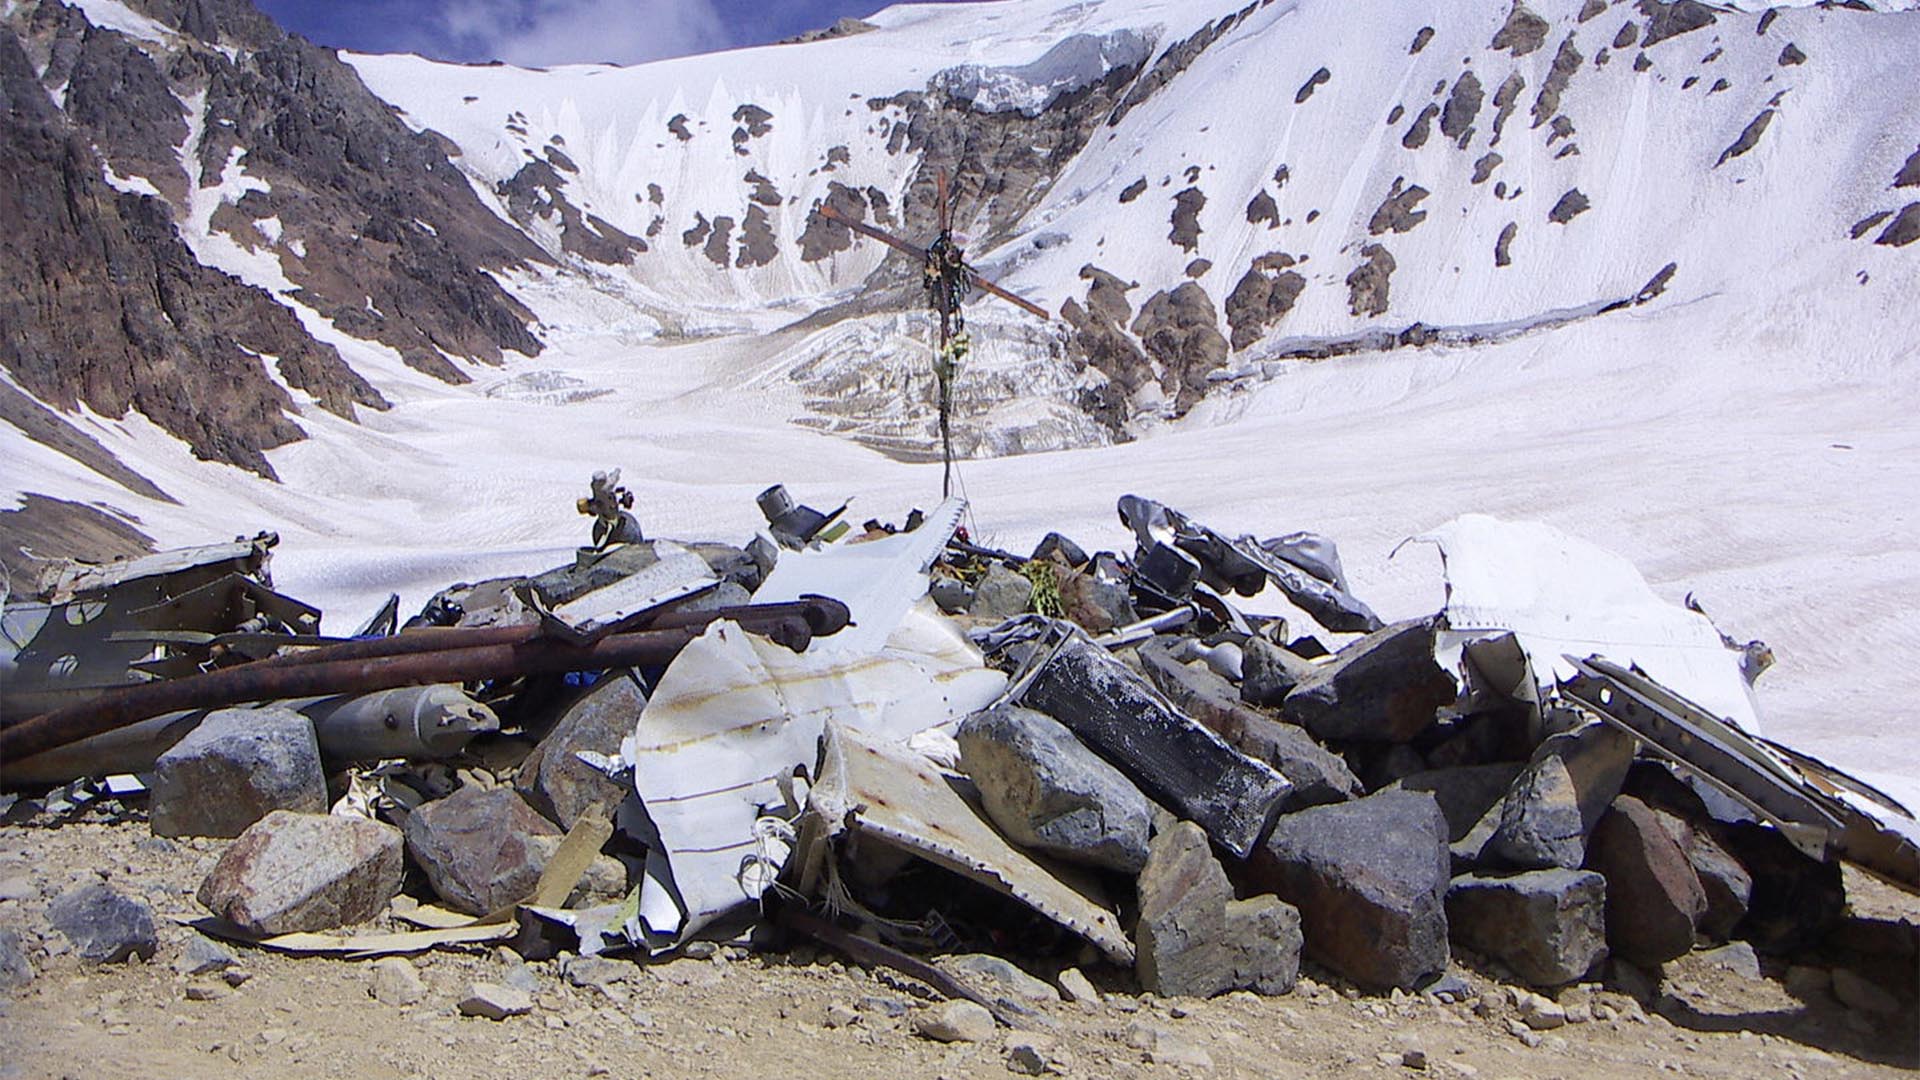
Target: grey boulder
(1370, 880)
(554, 779)
(1385, 687)
(1180, 939)
(1559, 797)
(1000, 594)
(1046, 791)
(1549, 926)
(238, 766)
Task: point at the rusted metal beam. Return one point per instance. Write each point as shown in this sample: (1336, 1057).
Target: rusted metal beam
(267, 681)
(822, 616)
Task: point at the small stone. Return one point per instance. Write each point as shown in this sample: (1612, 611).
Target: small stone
(1737, 957)
(1542, 1013)
(495, 1002)
(1855, 992)
(994, 977)
(951, 594)
(1173, 1050)
(235, 768)
(1808, 983)
(205, 992)
(391, 980)
(1077, 988)
(1001, 594)
(955, 1021)
(234, 977)
(1026, 1056)
(16, 971)
(16, 887)
(598, 972)
(103, 925)
(841, 1015)
(202, 956)
(1414, 1059)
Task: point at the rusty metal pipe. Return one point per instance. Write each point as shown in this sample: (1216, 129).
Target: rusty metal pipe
(261, 681)
(823, 616)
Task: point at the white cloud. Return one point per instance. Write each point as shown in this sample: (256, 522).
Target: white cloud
(541, 33)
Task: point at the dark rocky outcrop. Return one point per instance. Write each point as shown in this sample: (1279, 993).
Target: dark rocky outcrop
(1420, 40)
(1263, 298)
(1187, 205)
(1570, 205)
(1181, 332)
(1307, 88)
(1665, 20)
(105, 306)
(1505, 101)
(1456, 119)
(1909, 174)
(1749, 137)
(1566, 62)
(1261, 208)
(537, 192)
(1503, 247)
(1396, 212)
(1421, 130)
(1483, 168)
(1522, 33)
(1905, 228)
(1367, 285)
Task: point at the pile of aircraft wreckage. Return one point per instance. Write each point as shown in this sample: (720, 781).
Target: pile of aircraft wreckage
(903, 744)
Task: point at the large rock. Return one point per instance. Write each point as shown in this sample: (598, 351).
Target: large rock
(558, 783)
(1465, 794)
(1727, 885)
(1048, 792)
(1654, 899)
(474, 846)
(1556, 801)
(1383, 688)
(1094, 601)
(1318, 775)
(1270, 672)
(104, 926)
(302, 872)
(1263, 943)
(1000, 594)
(237, 767)
(1180, 941)
(1370, 880)
(1549, 926)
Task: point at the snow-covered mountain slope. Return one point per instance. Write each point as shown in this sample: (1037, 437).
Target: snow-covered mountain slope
(1296, 288)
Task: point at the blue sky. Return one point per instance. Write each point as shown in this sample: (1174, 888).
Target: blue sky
(541, 32)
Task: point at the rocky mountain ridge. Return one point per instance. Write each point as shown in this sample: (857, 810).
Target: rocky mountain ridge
(1205, 193)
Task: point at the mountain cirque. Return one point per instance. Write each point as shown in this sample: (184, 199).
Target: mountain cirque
(1385, 174)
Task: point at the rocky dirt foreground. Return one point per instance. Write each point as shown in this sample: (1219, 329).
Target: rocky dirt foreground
(199, 1008)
